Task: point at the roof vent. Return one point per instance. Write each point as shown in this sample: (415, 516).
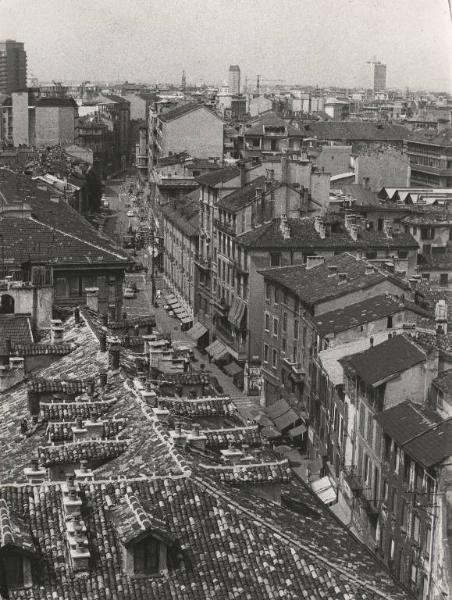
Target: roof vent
(342, 277)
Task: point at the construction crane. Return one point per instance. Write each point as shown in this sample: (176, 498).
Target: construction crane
(259, 80)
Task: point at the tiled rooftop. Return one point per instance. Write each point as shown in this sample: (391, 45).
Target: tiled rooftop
(318, 284)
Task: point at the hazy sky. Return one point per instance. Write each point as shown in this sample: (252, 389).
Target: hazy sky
(300, 41)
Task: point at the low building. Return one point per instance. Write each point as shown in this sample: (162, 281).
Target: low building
(430, 156)
(382, 167)
(54, 121)
(270, 135)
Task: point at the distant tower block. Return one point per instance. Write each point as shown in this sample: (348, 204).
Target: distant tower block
(234, 80)
(379, 77)
(184, 80)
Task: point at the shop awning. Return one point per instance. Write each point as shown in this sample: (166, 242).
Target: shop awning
(277, 409)
(217, 350)
(232, 369)
(186, 319)
(296, 431)
(173, 301)
(179, 310)
(286, 420)
(236, 312)
(197, 331)
(325, 490)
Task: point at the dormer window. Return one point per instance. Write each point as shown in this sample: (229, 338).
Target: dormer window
(146, 557)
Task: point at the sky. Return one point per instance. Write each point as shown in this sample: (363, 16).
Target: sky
(307, 42)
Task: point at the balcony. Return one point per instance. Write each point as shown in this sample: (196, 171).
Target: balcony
(203, 262)
(225, 227)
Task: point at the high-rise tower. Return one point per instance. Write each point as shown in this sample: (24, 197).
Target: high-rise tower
(379, 77)
(13, 66)
(234, 80)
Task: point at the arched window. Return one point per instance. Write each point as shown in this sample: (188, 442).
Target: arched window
(6, 305)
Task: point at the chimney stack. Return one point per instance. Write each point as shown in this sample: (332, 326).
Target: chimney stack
(112, 313)
(114, 352)
(77, 315)
(284, 227)
(242, 167)
(56, 331)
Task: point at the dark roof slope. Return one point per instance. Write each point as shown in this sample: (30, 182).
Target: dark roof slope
(405, 421)
(28, 240)
(56, 102)
(304, 235)
(184, 213)
(386, 360)
(356, 130)
(443, 138)
(182, 110)
(218, 176)
(318, 284)
(366, 311)
(16, 328)
(433, 446)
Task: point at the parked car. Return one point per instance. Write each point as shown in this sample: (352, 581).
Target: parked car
(129, 292)
(130, 213)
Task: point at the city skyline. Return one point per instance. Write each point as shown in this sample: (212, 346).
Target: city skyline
(153, 42)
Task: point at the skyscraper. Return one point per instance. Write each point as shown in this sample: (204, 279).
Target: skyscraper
(234, 80)
(379, 77)
(13, 66)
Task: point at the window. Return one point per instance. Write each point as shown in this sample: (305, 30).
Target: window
(389, 322)
(444, 279)
(416, 529)
(402, 253)
(266, 353)
(275, 326)
(284, 345)
(371, 254)
(274, 359)
(146, 556)
(403, 514)
(294, 355)
(295, 329)
(362, 418)
(366, 470)
(385, 490)
(276, 295)
(427, 541)
(267, 322)
(370, 428)
(268, 292)
(275, 259)
(284, 323)
(14, 570)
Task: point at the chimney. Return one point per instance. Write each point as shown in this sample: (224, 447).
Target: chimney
(33, 402)
(149, 397)
(284, 228)
(371, 340)
(77, 315)
(112, 313)
(92, 298)
(105, 320)
(353, 230)
(387, 227)
(243, 177)
(259, 191)
(83, 473)
(103, 341)
(114, 352)
(314, 261)
(322, 230)
(103, 379)
(268, 185)
(56, 331)
(90, 384)
(342, 278)
(79, 432)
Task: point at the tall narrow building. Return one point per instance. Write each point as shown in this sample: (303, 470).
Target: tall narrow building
(234, 80)
(13, 66)
(379, 77)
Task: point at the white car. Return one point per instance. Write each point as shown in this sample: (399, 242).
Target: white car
(129, 293)
(130, 213)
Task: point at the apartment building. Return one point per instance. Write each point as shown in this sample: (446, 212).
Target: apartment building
(430, 154)
(191, 128)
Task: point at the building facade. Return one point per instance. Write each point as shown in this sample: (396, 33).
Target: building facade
(13, 66)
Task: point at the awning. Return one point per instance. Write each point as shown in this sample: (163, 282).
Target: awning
(296, 431)
(325, 490)
(197, 331)
(286, 420)
(179, 310)
(236, 312)
(186, 319)
(217, 350)
(232, 369)
(173, 301)
(277, 409)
